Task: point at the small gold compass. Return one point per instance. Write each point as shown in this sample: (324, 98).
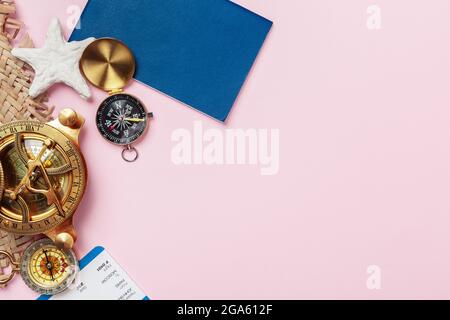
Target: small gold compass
(45, 268)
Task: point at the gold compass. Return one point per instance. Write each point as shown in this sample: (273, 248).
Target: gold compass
(108, 64)
(44, 267)
(44, 177)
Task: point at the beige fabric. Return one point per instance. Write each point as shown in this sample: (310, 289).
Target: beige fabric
(15, 103)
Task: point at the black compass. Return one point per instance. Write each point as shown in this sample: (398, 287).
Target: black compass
(121, 118)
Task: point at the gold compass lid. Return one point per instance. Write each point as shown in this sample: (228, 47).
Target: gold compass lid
(108, 64)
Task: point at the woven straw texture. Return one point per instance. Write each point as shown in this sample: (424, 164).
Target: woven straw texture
(15, 103)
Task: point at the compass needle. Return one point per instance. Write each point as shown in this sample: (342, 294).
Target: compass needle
(49, 264)
(135, 119)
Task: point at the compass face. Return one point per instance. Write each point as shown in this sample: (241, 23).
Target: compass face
(47, 269)
(44, 177)
(122, 119)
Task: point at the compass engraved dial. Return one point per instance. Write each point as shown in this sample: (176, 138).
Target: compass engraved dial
(2, 181)
(122, 119)
(47, 269)
(44, 177)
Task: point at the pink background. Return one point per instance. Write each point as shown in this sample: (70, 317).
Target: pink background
(364, 174)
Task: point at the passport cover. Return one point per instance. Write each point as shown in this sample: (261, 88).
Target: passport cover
(197, 51)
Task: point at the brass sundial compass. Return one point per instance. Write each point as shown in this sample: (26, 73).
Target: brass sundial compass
(43, 177)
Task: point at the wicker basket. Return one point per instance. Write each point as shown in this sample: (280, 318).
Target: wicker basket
(15, 102)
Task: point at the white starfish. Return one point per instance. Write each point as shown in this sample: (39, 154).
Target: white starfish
(57, 61)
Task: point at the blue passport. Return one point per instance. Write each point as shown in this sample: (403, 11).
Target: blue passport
(197, 51)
